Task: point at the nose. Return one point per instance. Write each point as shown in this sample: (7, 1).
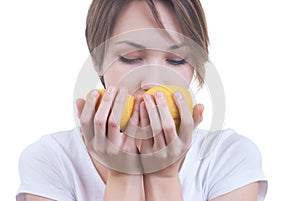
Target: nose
(147, 86)
(153, 77)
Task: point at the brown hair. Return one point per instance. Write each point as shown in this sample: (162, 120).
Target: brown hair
(103, 13)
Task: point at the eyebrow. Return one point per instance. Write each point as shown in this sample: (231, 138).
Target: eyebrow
(138, 46)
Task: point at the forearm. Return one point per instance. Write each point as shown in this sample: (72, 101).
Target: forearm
(123, 187)
(165, 189)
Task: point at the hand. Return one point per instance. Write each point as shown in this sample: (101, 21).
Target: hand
(163, 154)
(105, 142)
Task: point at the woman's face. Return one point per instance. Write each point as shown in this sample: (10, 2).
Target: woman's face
(139, 56)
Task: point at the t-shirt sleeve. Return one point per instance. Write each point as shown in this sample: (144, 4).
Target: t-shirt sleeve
(236, 163)
(41, 174)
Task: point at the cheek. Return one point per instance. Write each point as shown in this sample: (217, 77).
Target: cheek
(186, 72)
(114, 74)
(111, 79)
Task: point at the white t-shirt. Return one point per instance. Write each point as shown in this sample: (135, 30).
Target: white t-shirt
(58, 167)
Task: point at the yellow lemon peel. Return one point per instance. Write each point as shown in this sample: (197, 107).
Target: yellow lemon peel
(168, 91)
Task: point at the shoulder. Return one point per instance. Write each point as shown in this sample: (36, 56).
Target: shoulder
(45, 154)
(50, 145)
(222, 143)
(226, 161)
(42, 166)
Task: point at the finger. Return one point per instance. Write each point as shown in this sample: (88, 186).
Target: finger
(155, 122)
(187, 123)
(144, 119)
(87, 115)
(101, 116)
(79, 105)
(113, 127)
(198, 114)
(152, 114)
(166, 117)
(129, 145)
(146, 143)
(132, 128)
(145, 128)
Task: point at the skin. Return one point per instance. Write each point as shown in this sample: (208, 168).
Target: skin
(100, 124)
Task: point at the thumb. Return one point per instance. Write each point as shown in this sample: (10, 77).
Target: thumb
(198, 114)
(79, 105)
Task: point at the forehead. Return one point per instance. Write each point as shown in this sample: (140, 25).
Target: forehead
(148, 38)
(137, 15)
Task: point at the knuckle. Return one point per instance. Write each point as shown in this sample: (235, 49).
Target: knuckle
(106, 97)
(169, 129)
(187, 122)
(156, 129)
(100, 122)
(84, 121)
(173, 153)
(112, 123)
(134, 120)
(181, 148)
(162, 155)
(112, 151)
(98, 149)
(88, 144)
(158, 145)
(119, 100)
(128, 149)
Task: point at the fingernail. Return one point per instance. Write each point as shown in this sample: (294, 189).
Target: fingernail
(95, 93)
(178, 95)
(160, 95)
(148, 97)
(110, 90)
(123, 91)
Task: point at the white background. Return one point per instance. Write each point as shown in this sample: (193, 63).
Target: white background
(254, 45)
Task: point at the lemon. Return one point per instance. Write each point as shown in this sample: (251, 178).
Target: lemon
(168, 90)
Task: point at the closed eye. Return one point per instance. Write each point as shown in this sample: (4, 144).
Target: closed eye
(135, 60)
(176, 62)
(129, 61)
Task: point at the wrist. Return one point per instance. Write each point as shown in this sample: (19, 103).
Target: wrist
(157, 188)
(121, 186)
(123, 177)
(164, 179)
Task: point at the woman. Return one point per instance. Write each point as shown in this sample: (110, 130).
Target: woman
(136, 45)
